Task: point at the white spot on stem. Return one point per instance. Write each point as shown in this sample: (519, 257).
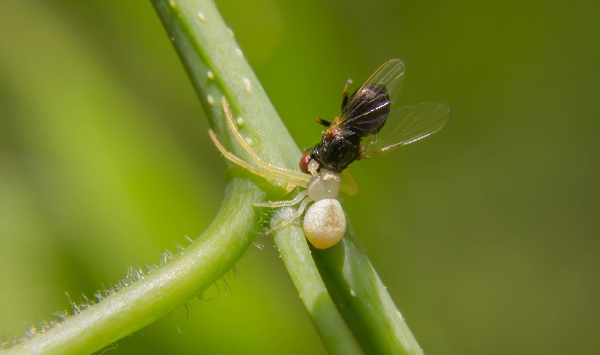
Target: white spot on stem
(239, 53)
(239, 121)
(210, 75)
(210, 100)
(247, 84)
(201, 16)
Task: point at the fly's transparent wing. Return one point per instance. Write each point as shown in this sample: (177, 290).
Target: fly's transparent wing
(390, 74)
(404, 126)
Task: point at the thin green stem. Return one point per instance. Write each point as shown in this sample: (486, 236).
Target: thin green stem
(160, 291)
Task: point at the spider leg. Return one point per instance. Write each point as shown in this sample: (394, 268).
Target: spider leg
(348, 184)
(254, 169)
(291, 218)
(299, 197)
(291, 174)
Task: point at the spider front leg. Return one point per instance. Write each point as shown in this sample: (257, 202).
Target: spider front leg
(267, 174)
(299, 178)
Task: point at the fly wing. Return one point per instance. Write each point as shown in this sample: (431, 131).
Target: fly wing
(404, 126)
(389, 75)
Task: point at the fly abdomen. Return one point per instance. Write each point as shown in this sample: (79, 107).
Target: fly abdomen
(367, 110)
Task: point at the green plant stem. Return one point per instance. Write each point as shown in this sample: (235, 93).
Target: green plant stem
(159, 292)
(204, 43)
(217, 68)
(363, 300)
(202, 40)
(296, 256)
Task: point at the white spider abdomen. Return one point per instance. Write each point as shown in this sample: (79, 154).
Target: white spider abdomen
(324, 223)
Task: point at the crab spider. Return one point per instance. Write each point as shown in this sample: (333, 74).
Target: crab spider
(324, 221)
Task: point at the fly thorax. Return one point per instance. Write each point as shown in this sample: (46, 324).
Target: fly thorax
(336, 152)
(324, 186)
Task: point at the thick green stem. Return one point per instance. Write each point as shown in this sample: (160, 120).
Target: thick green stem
(296, 256)
(363, 300)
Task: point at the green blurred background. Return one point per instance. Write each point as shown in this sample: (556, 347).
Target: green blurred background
(486, 234)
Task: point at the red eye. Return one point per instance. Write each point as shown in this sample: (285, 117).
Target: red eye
(306, 158)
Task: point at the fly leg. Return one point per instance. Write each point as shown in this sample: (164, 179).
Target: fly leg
(323, 122)
(345, 93)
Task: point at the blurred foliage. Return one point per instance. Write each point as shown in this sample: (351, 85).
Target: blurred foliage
(487, 233)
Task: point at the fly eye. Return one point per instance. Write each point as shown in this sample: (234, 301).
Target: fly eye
(306, 158)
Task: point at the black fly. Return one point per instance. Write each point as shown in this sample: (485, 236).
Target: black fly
(367, 126)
